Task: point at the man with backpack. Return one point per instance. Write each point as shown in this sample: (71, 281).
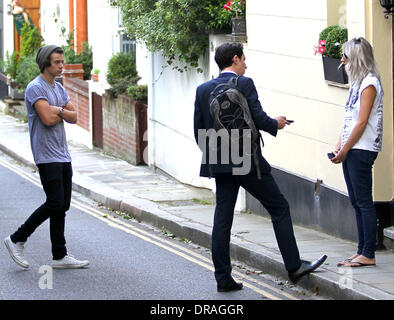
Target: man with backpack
(227, 110)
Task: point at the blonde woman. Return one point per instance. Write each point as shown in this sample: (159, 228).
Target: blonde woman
(360, 142)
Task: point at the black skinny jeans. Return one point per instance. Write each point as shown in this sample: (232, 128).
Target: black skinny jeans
(56, 179)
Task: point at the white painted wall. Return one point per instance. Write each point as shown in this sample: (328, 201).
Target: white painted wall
(172, 147)
(103, 26)
(290, 82)
(103, 29)
(50, 29)
(142, 62)
(8, 29)
(104, 37)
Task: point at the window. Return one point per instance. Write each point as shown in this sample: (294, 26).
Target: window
(127, 45)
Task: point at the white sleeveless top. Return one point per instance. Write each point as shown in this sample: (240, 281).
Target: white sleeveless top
(372, 136)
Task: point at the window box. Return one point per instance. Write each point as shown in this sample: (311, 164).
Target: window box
(239, 27)
(17, 94)
(331, 71)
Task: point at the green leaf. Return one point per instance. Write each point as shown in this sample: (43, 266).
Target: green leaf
(177, 28)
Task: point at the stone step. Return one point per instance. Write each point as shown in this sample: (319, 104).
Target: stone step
(388, 240)
(389, 232)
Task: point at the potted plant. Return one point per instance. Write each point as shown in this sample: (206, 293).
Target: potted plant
(10, 66)
(330, 44)
(95, 75)
(236, 8)
(21, 67)
(78, 65)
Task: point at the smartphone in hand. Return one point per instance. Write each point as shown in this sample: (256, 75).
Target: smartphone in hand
(330, 155)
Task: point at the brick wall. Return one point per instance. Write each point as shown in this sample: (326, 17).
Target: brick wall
(121, 129)
(78, 91)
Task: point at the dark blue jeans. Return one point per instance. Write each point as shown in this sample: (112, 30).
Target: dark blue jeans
(269, 195)
(56, 179)
(357, 169)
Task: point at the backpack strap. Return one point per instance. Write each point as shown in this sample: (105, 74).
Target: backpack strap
(234, 81)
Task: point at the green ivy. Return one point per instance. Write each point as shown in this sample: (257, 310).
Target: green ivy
(219, 19)
(177, 28)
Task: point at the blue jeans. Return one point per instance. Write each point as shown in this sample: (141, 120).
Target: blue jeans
(357, 169)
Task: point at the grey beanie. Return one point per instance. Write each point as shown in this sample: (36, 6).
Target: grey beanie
(43, 54)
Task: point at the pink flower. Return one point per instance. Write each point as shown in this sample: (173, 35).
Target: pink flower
(322, 42)
(227, 6)
(322, 49)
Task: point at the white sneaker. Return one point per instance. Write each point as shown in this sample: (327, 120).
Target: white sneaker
(16, 252)
(69, 262)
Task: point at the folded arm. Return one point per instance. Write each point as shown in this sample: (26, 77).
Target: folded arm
(52, 115)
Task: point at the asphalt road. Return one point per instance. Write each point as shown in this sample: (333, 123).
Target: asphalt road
(128, 260)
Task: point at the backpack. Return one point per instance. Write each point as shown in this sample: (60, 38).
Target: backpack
(230, 111)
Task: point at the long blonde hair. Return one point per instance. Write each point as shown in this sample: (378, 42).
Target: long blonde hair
(360, 60)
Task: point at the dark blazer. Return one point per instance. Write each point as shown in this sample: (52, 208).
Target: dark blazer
(203, 120)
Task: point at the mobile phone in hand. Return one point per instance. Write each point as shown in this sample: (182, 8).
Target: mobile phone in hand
(290, 121)
(330, 155)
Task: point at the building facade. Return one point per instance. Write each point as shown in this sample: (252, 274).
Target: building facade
(289, 79)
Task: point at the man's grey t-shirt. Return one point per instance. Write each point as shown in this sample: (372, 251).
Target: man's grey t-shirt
(48, 143)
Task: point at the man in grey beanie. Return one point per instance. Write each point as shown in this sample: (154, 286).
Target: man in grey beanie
(48, 106)
(43, 55)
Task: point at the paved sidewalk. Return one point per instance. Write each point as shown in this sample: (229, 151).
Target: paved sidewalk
(168, 204)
